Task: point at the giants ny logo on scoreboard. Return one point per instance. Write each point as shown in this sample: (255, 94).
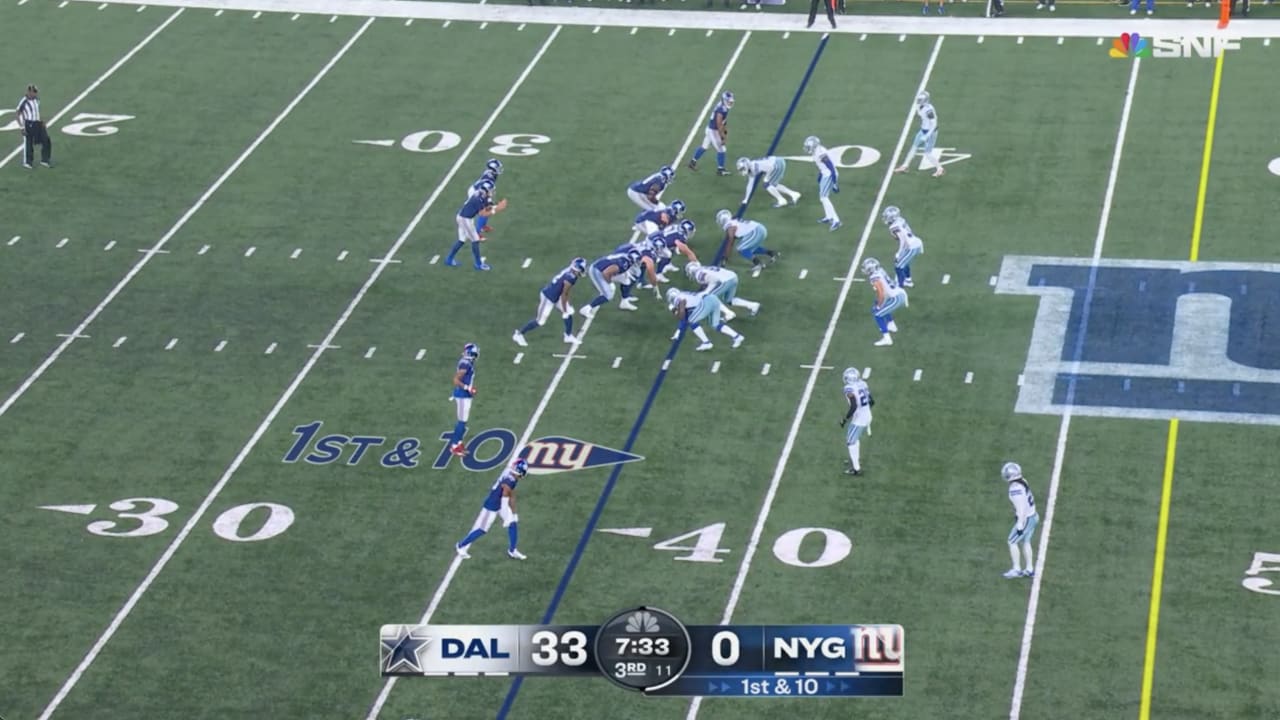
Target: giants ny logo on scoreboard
(837, 650)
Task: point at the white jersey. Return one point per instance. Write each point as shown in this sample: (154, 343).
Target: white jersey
(742, 228)
(857, 391)
(714, 276)
(1024, 502)
(928, 117)
(821, 159)
(907, 240)
(763, 166)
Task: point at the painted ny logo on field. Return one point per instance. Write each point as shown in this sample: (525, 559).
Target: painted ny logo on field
(1150, 338)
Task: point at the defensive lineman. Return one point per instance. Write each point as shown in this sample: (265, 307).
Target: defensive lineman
(501, 502)
(748, 238)
(828, 180)
(909, 246)
(723, 283)
(463, 390)
(645, 192)
(717, 134)
(926, 137)
(693, 308)
(889, 297)
(860, 402)
(772, 168)
(555, 294)
(1024, 526)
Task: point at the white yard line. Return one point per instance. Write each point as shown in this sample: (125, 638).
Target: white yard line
(182, 221)
(101, 79)
(789, 444)
(1055, 476)
(619, 17)
(129, 604)
(456, 562)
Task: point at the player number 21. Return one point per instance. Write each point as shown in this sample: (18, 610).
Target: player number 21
(569, 648)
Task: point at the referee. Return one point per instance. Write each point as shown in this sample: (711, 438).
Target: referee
(831, 11)
(33, 130)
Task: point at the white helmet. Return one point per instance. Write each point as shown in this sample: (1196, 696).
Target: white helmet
(870, 265)
(850, 374)
(723, 217)
(890, 214)
(1011, 471)
(923, 97)
(673, 295)
(692, 269)
(811, 143)
(744, 166)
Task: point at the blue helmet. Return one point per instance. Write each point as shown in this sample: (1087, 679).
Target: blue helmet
(667, 173)
(678, 207)
(471, 351)
(578, 266)
(687, 227)
(520, 467)
(494, 165)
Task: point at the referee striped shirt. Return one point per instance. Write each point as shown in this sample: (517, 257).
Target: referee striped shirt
(29, 110)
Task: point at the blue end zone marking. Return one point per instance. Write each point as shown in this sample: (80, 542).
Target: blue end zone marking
(1191, 395)
(594, 519)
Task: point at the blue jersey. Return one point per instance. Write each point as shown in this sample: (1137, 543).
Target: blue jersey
(474, 204)
(720, 112)
(655, 183)
(622, 260)
(489, 175)
(494, 501)
(468, 369)
(563, 280)
(656, 217)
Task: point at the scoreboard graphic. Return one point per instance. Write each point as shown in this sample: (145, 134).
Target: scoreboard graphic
(649, 650)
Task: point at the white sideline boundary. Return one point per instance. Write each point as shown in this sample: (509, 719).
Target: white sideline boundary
(707, 20)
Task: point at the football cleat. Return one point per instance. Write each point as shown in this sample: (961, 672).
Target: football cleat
(893, 326)
(587, 311)
(884, 341)
(518, 337)
(571, 339)
(458, 450)
(483, 266)
(721, 172)
(627, 304)
(1011, 574)
(517, 555)
(704, 347)
(738, 340)
(462, 552)
(836, 225)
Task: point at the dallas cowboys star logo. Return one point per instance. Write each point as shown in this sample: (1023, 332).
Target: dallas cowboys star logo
(401, 647)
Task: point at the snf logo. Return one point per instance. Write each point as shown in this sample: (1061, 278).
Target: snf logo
(1134, 45)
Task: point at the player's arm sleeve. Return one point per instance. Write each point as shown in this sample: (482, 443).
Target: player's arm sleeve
(853, 405)
(826, 160)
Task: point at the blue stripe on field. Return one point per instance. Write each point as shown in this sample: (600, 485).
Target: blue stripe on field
(594, 519)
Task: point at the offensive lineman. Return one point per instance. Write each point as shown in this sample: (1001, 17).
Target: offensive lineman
(501, 502)
(1024, 526)
(555, 294)
(926, 138)
(860, 403)
(772, 168)
(644, 193)
(909, 246)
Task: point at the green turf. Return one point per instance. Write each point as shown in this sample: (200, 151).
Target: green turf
(285, 627)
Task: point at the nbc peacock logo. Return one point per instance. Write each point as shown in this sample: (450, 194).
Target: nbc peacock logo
(1130, 45)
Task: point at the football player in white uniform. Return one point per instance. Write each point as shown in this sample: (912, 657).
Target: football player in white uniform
(828, 180)
(772, 168)
(748, 238)
(926, 138)
(1025, 522)
(889, 297)
(860, 402)
(723, 283)
(909, 246)
(693, 308)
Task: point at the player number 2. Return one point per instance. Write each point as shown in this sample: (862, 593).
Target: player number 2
(1262, 563)
(548, 644)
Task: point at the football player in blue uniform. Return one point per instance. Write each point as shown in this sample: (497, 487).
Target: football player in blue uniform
(649, 222)
(492, 169)
(500, 502)
(609, 270)
(555, 294)
(676, 239)
(645, 192)
(463, 390)
(477, 205)
(716, 135)
(693, 308)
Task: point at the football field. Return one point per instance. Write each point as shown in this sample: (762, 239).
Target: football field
(229, 337)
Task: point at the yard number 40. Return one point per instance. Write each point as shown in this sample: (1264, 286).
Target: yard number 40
(1263, 563)
(836, 546)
